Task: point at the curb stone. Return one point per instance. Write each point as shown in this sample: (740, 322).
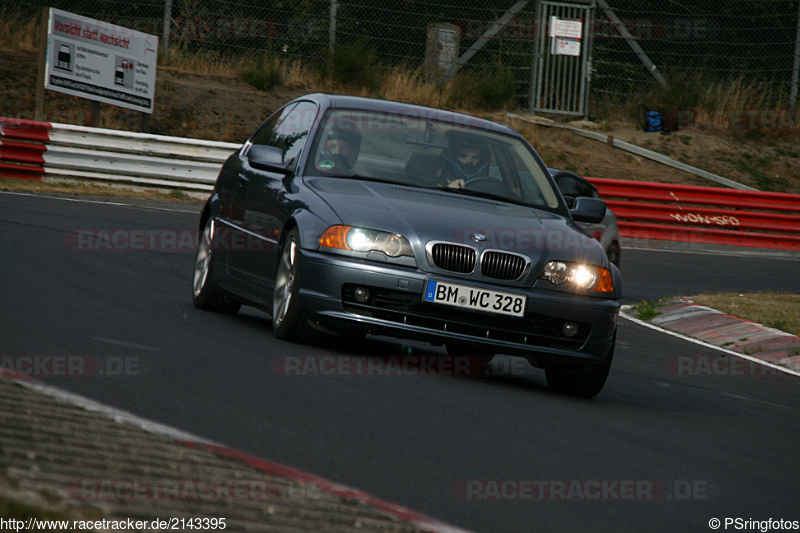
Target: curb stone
(63, 454)
(745, 337)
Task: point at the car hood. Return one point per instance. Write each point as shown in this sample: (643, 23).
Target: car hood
(423, 215)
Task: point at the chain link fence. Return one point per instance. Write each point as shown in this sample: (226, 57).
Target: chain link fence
(704, 41)
(636, 45)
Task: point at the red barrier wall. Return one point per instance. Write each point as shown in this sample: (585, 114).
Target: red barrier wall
(708, 215)
(22, 148)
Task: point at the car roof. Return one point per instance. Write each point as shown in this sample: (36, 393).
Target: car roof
(330, 101)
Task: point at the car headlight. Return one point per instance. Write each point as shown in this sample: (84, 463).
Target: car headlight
(578, 275)
(365, 240)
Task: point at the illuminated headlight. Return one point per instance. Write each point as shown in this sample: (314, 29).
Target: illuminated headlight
(578, 275)
(365, 240)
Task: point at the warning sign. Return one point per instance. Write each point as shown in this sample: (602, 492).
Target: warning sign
(564, 47)
(570, 29)
(100, 61)
(565, 36)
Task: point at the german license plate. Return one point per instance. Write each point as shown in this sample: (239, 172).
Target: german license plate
(465, 297)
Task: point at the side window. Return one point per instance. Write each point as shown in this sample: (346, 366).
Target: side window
(292, 132)
(265, 132)
(287, 130)
(574, 187)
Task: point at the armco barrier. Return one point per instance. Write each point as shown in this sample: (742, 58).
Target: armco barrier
(710, 215)
(703, 215)
(33, 150)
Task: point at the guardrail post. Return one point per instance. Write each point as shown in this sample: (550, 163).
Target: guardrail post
(94, 113)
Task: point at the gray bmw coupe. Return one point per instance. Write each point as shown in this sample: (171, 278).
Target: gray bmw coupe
(353, 215)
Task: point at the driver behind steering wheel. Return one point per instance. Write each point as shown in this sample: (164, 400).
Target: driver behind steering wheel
(464, 159)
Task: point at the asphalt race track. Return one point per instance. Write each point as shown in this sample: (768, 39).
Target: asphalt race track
(657, 450)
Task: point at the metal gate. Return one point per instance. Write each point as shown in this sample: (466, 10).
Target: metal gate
(562, 58)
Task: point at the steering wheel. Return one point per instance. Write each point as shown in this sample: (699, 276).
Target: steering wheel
(491, 186)
(478, 179)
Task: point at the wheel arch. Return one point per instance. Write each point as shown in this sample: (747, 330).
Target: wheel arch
(210, 208)
(309, 228)
(288, 226)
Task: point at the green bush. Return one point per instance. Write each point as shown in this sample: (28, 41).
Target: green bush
(354, 65)
(490, 90)
(264, 74)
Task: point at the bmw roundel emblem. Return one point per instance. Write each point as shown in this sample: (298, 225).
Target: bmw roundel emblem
(479, 237)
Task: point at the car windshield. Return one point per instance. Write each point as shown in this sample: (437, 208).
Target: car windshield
(425, 152)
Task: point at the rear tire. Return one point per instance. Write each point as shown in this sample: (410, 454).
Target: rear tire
(288, 321)
(205, 292)
(586, 385)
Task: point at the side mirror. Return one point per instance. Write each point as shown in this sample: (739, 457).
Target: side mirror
(589, 210)
(267, 158)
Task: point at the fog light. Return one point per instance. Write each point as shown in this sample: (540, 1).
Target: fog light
(361, 294)
(569, 329)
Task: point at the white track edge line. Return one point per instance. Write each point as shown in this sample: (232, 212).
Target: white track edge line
(101, 202)
(703, 343)
(117, 415)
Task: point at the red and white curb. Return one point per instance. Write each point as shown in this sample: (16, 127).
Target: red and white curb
(398, 512)
(708, 327)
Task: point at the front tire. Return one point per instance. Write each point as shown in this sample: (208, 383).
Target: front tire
(586, 385)
(205, 293)
(288, 321)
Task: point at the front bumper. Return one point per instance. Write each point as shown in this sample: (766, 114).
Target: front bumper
(395, 308)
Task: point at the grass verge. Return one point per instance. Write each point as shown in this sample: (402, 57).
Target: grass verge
(777, 310)
(646, 310)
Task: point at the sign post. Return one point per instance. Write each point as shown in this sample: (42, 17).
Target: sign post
(100, 61)
(38, 113)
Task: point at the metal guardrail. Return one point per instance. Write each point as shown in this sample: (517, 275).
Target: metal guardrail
(703, 215)
(633, 149)
(35, 150)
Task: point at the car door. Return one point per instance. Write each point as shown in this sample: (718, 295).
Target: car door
(261, 192)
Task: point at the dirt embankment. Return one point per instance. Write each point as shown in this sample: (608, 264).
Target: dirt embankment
(228, 109)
